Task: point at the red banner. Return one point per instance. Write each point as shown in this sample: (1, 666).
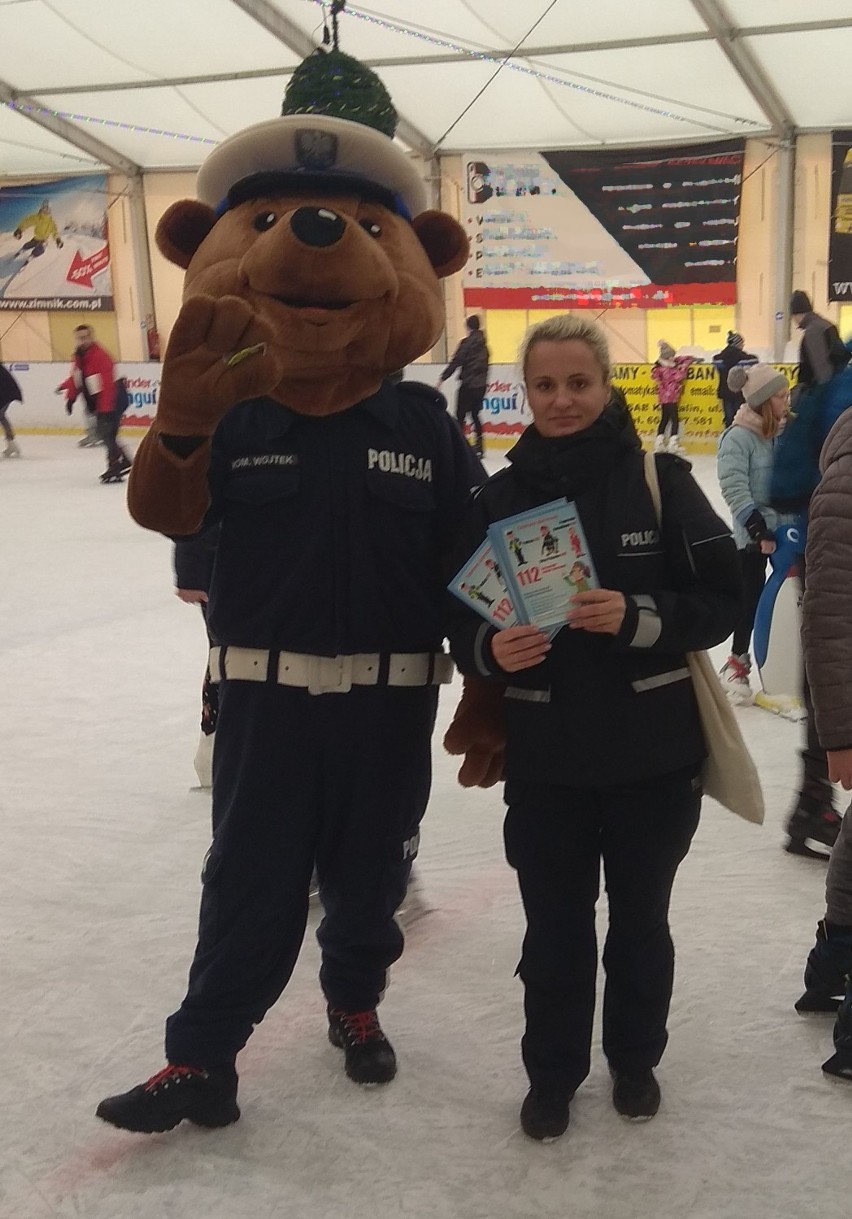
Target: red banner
(649, 296)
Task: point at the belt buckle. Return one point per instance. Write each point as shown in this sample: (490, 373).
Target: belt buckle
(329, 674)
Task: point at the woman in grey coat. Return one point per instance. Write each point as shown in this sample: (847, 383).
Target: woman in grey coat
(827, 640)
(744, 465)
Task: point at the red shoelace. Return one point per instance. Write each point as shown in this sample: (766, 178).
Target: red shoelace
(169, 1072)
(361, 1026)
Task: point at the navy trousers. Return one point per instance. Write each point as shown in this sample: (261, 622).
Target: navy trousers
(555, 839)
(340, 779)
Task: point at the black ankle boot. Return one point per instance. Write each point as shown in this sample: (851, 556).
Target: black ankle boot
(635, 1094)
(369, 1055)
(545, 1113)
(840, 1063)
(829, 962)
(205, 1097)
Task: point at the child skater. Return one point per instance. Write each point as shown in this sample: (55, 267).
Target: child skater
(669, 373)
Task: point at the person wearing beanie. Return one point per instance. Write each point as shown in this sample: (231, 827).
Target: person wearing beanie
(726, 359)
(471, 359)
(669, 373)
(822, 354)
(744, 465)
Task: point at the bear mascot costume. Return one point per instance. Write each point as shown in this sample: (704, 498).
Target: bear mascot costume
(312, 273)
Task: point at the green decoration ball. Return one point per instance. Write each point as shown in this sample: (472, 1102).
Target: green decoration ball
(329, 82)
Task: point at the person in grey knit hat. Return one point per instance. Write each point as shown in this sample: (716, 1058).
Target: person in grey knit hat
(744, 465)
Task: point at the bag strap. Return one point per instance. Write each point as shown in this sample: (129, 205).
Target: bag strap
(652, 479)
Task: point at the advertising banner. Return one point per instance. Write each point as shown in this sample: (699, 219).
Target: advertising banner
(587, 229)
(505, 412)
(840, 240)
(54, 245)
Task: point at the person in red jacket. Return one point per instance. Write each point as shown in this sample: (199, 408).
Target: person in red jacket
(93, 376)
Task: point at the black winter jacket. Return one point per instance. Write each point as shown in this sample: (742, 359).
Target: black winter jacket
(10, 390)
(471, 359)
(605, 710)
(726, 359)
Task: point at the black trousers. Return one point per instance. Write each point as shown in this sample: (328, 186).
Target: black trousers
(669, 418)
(815, 786)
(469, 402)
(753, 568)
(342, 779)
(108, 425)
(555, 839)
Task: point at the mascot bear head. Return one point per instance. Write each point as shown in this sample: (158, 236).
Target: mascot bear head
(319, 223)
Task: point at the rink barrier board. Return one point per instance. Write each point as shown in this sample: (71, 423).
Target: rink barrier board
(505, 411)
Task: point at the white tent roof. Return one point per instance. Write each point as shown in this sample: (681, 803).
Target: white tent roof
(156, 85)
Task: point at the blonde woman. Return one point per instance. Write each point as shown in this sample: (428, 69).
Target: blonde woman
(744, 463)
(604, 743)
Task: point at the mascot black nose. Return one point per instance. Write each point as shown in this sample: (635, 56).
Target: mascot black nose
(317, 226)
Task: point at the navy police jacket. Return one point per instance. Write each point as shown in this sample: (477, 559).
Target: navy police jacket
(605, 710)
(333, 529)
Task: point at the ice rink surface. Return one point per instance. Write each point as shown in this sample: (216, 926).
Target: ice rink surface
(102, 843)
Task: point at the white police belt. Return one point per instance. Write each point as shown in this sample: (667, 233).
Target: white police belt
(330, 674)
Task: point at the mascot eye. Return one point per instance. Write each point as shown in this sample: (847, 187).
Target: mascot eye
(370, 226)
(264, 221)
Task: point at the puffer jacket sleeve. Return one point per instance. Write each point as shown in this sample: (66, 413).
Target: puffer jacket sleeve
(827, 608)
(733, 465)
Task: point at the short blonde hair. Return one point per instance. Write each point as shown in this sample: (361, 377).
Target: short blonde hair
(563, 328)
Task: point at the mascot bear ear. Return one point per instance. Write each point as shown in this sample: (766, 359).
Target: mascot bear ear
(444, 241)
(182, 229)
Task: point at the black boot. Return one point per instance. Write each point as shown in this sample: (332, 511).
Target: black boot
(812, 821)
(545, 1113)
(635, 1094)
(840, 1063)
(369, 1055)
(205, 1097)
(829, 962)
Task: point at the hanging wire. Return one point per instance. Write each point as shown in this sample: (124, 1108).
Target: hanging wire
(496, 73)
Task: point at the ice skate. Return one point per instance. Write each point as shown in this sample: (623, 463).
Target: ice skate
(659, 443)
(812, 828)
(370, 1058)
(11, 449)
(674, 446)
(828, 966)
(116, 470)
(207, 1097)
(734, 676)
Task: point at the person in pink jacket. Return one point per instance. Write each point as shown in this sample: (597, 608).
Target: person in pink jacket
(669, 373)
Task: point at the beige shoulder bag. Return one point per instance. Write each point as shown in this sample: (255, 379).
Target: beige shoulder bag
(730, 775)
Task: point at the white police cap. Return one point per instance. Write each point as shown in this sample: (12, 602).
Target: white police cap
(313, 145)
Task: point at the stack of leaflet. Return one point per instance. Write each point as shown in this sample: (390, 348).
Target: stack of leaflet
(528, 568)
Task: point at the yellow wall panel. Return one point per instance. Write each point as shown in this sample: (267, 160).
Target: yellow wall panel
(62, 332)
(673, 324)
(504, 329)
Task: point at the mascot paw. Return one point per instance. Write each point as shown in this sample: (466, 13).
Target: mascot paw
(478, 731)
(219, 353)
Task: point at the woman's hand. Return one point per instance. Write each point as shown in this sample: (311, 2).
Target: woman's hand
(519, 647)
(192, 596)
(767, 547)
(840, 767)
(600, 610)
